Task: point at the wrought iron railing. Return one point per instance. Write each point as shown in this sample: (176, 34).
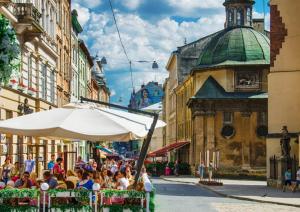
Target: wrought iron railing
(279, 165)
(27, 12)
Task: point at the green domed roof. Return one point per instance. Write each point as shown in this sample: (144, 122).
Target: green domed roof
(236, 46)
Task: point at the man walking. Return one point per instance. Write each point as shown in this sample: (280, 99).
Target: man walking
(51, 163)
(29, 164)
(201, 169)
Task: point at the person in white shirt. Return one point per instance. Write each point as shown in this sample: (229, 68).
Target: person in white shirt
(297, 180)
(114, 168)
(123, 183)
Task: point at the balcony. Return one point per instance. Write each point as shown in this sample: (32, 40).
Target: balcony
(28, 20)
(6, 2)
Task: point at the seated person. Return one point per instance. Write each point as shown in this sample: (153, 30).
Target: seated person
(48, 178)
(84, 181)
(61, 182)
(89, 167)
(122, 181)
(10, 184)
(71, 176)
(33, 178)
(24, 182)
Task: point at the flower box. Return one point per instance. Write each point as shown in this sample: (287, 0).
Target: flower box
(31, 91)
(21, 87)
(13, 84)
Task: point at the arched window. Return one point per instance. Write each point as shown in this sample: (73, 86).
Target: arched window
(249, 16)
(230, 17)
(240, 17)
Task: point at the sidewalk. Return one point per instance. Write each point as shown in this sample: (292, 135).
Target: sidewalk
(246, 190)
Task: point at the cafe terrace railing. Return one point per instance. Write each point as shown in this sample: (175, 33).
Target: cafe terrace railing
(45, 199)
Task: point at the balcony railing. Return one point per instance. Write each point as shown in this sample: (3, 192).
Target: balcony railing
(5, 2)
(27, 13)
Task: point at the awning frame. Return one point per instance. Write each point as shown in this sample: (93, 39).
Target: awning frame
(146, 143)
(163, 151)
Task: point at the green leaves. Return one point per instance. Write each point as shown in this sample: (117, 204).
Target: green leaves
(9, 51)
(121, 193)
(19, 193)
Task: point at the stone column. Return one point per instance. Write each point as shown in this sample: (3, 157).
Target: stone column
(199, 132)
(210, 131)
(246, 139)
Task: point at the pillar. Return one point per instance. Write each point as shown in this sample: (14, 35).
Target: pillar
(246, 139)
(199, 132)
(210, 131)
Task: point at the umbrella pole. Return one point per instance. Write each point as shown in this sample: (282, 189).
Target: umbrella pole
(144, 150)
(147, 141)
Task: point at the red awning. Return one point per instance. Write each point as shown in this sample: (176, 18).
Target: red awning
(163, 151)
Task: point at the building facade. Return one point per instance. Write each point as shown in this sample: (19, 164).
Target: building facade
(85, 64)
(63, 40)
(221, 94)
(33, 88)
(283, 107)
(55, 65)
(76, 30)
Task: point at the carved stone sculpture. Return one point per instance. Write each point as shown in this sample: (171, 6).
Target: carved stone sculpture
(285, 142)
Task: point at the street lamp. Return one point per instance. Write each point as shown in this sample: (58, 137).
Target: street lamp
(103, 61)
(154, 63)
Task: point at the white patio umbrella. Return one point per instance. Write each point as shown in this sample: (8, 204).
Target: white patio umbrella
(81, 121)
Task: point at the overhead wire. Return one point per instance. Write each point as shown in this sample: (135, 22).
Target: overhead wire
(121, 41)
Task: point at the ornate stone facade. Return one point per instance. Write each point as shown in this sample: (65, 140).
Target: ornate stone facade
(220, 96)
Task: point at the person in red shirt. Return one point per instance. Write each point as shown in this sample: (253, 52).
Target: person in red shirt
(58, 168)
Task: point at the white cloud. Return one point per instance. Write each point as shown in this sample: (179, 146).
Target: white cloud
(131, 4)
(88, 3)
(144, 41)
(196, 4)
(112, 92)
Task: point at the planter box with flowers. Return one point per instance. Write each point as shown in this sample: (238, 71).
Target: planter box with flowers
(13, 84)
(22, 87)
(31, 91)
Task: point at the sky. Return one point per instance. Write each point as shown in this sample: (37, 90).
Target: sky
(151, 30)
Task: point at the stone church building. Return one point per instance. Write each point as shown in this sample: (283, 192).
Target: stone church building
(221, 100)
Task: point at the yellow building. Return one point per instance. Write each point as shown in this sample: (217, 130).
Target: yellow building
(283, 80)
(33, 88)
(63, 41)
(220, 97)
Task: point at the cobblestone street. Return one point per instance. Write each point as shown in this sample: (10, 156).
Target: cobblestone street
(185, 197)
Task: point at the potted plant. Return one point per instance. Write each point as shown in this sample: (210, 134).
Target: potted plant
(13, 83)
(21, 86)
(31, 91)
